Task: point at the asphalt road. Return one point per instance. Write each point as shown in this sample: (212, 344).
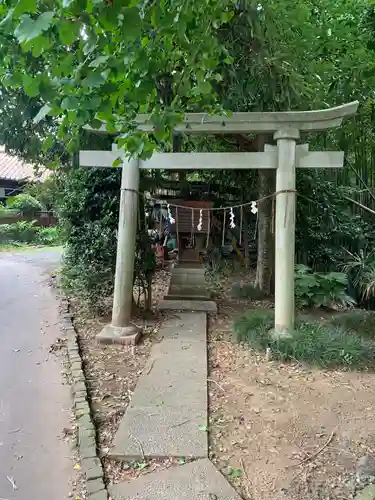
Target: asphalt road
(34, 404)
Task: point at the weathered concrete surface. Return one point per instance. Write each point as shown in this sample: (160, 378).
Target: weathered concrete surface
(198, 480)
(208, 306)
(188, 290)
(34, 405)
(168, 412)
(368, 493)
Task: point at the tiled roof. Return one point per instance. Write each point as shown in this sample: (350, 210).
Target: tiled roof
(14, 169)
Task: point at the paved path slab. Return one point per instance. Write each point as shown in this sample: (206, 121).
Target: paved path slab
(168, 412)
(198, 480)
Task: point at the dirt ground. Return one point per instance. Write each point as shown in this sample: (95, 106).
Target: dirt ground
(277, 431)
(282, 431)
(112, 372)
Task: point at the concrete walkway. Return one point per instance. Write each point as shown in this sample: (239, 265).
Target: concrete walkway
(169, 405)
(198, 480)
(34, 405)
(168, 417)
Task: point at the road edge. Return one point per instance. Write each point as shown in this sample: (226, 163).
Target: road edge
(87, 446)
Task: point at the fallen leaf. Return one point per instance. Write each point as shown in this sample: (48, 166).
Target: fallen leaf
(77, 467)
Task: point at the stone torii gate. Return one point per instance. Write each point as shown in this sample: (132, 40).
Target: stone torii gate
(285, 157)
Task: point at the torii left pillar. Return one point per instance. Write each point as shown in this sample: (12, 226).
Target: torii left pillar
(121, 330)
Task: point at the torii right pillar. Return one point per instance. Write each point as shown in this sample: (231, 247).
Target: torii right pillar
(285, 229)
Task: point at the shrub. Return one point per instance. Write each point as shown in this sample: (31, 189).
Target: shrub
(361, 272)
(45, 192)
(20, 231)
(311, 342)
(253, 327)
(28, 232)
(24, 203)
(88, 207)
(321, 289)
(325, 222)
(247, 291)
(360, 321)
(49, 236)
(89, 263)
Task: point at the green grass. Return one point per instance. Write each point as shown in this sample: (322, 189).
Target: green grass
(361, 322)
(313, 342)
(247, 291)
(25, 247)
(7, 247)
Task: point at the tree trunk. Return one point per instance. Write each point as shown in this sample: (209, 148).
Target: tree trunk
(184, 184)
(148, 301)
(246, 242)
(265, 261)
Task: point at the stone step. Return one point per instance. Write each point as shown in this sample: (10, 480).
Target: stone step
(189, 253)
(188, 279)
(184, 270)
(196, 480)
(208, 306)
(187, 297)
(188, 290)
(190, 264)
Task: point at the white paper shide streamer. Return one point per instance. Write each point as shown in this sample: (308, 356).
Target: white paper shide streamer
(200, 223)
(170, 218)
(254, 208)
(232, 224)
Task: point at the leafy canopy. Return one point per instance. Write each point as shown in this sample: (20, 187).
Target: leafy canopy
(92, 60)
(82, 62)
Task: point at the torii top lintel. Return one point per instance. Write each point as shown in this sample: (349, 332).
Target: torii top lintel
(308, 121)
(254, 122)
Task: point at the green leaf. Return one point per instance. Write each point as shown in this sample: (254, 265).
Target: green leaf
(98, 61)
(89, 46)
(28, 29)
(25, 6)
(226, 16)
(31, 85)
(48, 143)
(140, 465)
(44, 21)
(235, 472)
(37, 45)
(43, 112)
(93, 103)
(70, 103)
(94, 80)
(96, 123)
(68, 32)
(7, 18)
(203, 88)
(65, 67)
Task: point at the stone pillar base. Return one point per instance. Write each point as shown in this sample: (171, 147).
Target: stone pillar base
(126, 335)
(281, 332)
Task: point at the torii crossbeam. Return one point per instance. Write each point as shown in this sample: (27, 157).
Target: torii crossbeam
(284, 157)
